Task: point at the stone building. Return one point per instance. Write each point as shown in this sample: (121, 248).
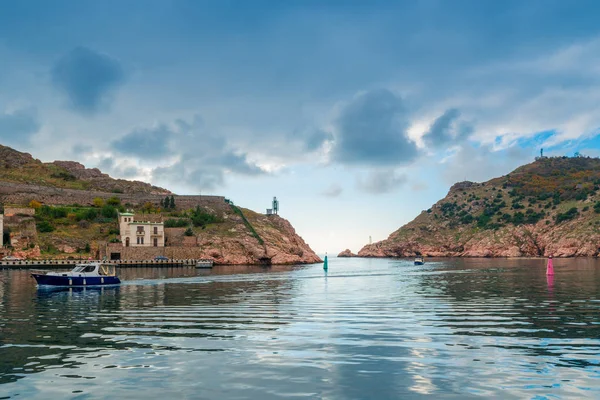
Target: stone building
(141, 230)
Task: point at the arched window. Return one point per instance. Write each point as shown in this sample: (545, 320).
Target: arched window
(126, 242)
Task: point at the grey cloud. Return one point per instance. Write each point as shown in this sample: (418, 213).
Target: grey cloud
(152, 143)
(80, 149)
(18, 127)
(482, 163)
(380, 182)
(109, 165)
(372, 130)
(315, 138)
(447, 129)
(333, 191)
(203, 156)
(87, 78)
(238, 163)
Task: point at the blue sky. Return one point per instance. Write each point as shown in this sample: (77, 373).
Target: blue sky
(356, 115)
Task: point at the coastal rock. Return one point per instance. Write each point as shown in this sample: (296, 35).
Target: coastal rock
(346, 253)
(549, 207)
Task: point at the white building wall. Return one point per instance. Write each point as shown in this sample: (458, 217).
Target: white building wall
(128, 229)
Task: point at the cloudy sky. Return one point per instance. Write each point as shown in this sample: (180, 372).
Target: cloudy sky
(357, 115)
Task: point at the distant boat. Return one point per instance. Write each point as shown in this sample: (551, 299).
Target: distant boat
(89, 274)
(204, 263)
(419, 260)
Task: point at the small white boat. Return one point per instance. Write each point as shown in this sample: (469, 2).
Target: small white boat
(419, 260)
(204, 263)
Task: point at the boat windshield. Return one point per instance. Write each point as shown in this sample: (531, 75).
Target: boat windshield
(84, 268)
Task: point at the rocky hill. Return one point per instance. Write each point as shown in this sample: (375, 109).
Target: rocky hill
(548, 207)
(17, 167)
(76, 216)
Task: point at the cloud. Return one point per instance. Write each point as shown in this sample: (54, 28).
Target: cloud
(482, 163)
(124, 170)
(17, 127)
(315, 138)
(80, 149)
(87, 78)
(380, 182)
(372, 130)
(148, 143)
(197, 156)
(334, 190)
(447, 130)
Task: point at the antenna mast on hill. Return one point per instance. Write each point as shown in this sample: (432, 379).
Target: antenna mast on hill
(275, 205)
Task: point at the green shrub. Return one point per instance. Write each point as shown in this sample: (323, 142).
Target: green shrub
(566, 216)
(189, 232)
(202, 218)
(113, 201)
(176, 223)
(109, 211)
(45, 226)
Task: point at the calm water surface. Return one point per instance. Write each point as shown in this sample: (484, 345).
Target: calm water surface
(367, 329)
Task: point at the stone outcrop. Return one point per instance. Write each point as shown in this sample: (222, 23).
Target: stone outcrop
(346, 253)
(550, 207)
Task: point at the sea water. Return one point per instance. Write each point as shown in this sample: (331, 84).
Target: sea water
(364, 329)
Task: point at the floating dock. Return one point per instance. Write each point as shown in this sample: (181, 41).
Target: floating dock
(57, 264)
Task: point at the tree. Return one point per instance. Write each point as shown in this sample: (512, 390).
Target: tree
(167, 202)
(109, 211)
(172, 203)
(113, 201)
(35, 204)
(162, 203)
(98, 202)
(189, 232)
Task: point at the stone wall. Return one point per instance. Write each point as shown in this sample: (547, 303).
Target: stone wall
(19, 193)
(148, 253)
(11, 211)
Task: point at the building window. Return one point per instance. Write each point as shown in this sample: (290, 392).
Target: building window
(155, 242)
(138, 240)
(142, 240)
(126, 242)
(156, 230)
(140, 229)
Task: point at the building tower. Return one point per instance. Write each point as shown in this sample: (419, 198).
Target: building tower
(275, 205)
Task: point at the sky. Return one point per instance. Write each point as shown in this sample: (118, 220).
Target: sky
(357, 115)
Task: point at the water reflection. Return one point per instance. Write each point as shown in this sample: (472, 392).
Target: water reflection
(361, 329)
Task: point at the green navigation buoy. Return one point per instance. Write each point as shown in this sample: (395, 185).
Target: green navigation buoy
(325, 263)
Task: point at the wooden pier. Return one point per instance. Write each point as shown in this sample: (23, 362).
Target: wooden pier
(66, 264)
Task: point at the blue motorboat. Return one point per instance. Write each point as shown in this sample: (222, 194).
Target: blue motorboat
(419, 260)
(88, 274)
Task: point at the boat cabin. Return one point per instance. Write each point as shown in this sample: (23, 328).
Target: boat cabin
(91, 269)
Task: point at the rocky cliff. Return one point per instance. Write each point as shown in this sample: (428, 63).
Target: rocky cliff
(77, 217)
(549, 207)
